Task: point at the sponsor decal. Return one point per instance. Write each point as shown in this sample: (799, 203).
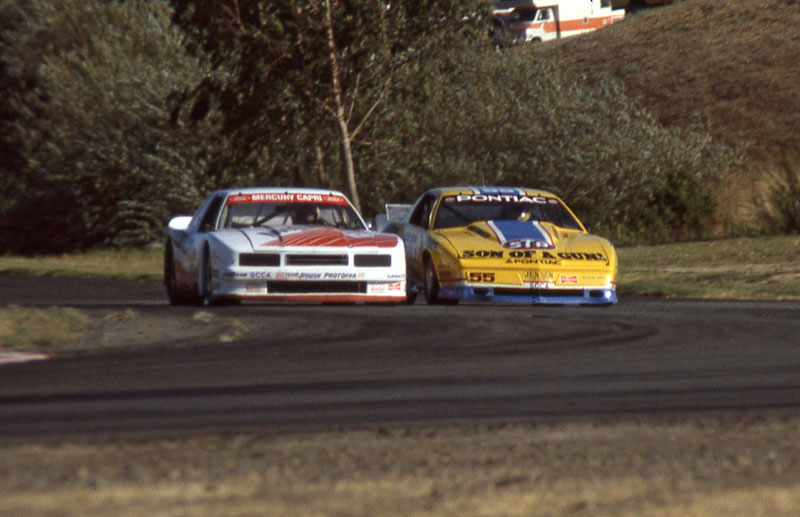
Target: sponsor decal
(501, 198)
(582, 256)
(262, 275)
(499, 190)
(530, 254)
(482, 254)
(521, 235)
(536, 275)
(527, 244)
(572, 279)
(343, 276)
(533, 261)
(594, 278)
(384, 288)
(539, 285)
(513, 256)
(285, 197)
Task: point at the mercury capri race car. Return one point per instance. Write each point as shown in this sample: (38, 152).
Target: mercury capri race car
(503, 244)
(277, 244)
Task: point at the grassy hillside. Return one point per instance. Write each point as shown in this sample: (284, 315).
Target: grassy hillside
(730, 66)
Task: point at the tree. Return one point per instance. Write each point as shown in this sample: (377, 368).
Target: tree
(99, 159)
(314, 69)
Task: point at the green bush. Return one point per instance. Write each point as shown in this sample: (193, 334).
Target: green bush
(781, 210)
(518, 118)
(103, 158)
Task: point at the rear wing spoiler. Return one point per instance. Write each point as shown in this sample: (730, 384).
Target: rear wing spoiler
(394, 213)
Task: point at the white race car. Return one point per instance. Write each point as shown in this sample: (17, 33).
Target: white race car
(280, 244)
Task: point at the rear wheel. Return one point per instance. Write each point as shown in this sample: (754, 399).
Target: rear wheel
(411, 293)
(175, 294)
(204, 285)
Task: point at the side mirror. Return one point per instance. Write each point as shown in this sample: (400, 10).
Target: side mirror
(180, 222)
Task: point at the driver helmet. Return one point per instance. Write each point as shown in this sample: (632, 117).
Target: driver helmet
(306, 214)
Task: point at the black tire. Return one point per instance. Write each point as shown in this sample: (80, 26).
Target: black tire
(431, 285)
(204, 283)
(411, 294)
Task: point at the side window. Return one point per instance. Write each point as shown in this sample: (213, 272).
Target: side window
(209, 220)
(422, 214)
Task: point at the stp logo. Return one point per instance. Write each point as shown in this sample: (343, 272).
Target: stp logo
(528, 244)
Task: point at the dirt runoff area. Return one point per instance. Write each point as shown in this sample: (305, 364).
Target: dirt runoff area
(688, 465)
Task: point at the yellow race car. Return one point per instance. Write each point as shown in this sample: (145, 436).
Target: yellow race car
(502, 244)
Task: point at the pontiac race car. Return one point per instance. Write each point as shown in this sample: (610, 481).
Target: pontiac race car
(277, 244)
(504, 245)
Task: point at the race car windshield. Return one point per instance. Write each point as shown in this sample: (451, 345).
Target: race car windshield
(462, 210)
(246, 215)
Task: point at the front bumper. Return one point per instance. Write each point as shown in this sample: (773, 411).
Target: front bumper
(305, 286)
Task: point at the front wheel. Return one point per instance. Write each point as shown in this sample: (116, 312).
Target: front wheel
(432, 286)
(205, 285)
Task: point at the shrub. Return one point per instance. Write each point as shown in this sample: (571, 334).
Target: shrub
(102, 159)
(518, 118)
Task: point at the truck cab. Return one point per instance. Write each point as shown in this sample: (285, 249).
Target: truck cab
(545, 20)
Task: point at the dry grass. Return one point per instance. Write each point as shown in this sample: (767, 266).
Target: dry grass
(119, 263)
(745, 268)
(718, 465)
(728, 66)
(26, 328)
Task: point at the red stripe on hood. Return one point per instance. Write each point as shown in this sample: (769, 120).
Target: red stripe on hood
(326, 238)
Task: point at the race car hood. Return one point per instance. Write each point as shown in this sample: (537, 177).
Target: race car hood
(261, 238)
(515, 238)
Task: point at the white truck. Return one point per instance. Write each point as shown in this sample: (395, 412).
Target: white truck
(544, 20)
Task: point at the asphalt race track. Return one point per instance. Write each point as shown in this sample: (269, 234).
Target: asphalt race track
(330, 366)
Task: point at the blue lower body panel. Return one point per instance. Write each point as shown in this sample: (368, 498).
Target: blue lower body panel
(575, 296)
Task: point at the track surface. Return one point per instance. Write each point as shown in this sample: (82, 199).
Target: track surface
(319, 366)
